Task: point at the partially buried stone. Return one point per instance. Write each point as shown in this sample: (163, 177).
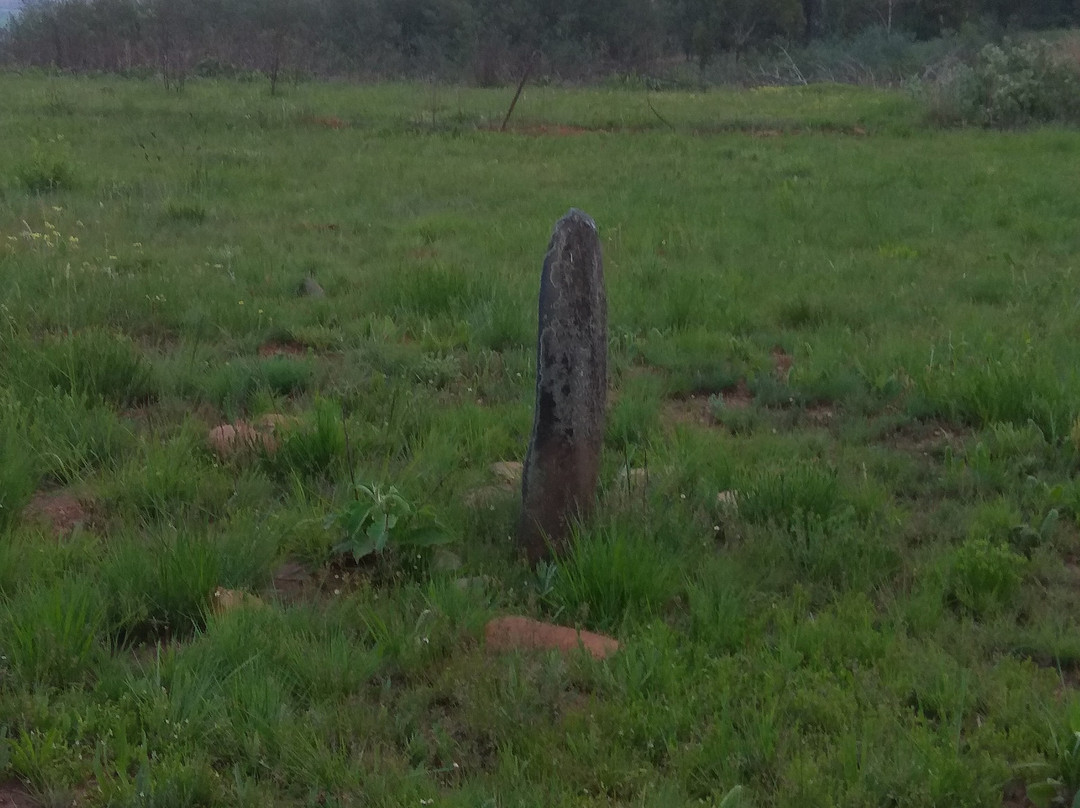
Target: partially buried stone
(563, 460)
(309, 287)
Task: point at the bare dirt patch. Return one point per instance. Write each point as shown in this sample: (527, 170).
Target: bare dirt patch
(523, 633)
(1014, 795)
(926, 438)
(282, 348)
(13, 795)
(325, 121)
(782, 362)
(696, 408)
(291, 581)
(738, 397)
(820, 414)
(550, 130)
(60, 511)
(690, 410)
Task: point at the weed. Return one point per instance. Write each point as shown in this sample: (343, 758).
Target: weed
(377, 520)
(612, 574)
(791, 496)
(18, 469)
(50, 168)
(187, 212)
(1011, 84)
(311, 448)
(51, 634)
(159, 587)
(102, 366)
(984, 576)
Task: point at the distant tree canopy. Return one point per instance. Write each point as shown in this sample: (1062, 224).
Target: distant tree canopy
(486, 40)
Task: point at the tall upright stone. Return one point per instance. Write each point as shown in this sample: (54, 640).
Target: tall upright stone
(558, 483)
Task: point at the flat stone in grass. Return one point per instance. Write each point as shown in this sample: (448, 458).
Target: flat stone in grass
(60, 511)
(523, 633)
(241, 437)
(309, 287)
(563, 459)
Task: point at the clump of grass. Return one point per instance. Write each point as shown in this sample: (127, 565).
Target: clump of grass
(168, 480)
(74, 436)
(235, 385)
(103, 366)
(1015, 389)
(983, 576)
(50, 167)
(312, 448)
(1008, 85)
(612, 573)
(635, 416)
(790, 495)
(18, 467)
(159, 586)
(50, 633)
(805, 313)
(185, 211)
(501, 324)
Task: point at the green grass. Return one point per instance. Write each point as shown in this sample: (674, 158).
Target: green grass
(881, 609)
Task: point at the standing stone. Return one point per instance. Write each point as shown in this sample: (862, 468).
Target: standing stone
(558, 483)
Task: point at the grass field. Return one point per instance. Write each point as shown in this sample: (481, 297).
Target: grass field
(861, 330)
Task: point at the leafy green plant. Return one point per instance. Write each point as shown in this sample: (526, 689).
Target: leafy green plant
(18, 472)
(611, 573)
(983, 576)
(50, 167)
(1012, 84)
(1062, 786)
(99, 364)
(790, 495)
(379, 519)
(50, 635)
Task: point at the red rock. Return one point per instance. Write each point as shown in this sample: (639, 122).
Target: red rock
(229, 440)
(60, 511)
(513, 633)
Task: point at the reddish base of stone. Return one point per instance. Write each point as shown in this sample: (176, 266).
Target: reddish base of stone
(514, 633)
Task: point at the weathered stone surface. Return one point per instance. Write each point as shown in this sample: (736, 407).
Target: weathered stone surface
(507, 471)
(563, 460)
(227, 600)
(523, 633)
(309, 287)
(60, 511)
(230, 440)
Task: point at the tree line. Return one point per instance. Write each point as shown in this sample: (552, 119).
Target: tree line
(485, 41)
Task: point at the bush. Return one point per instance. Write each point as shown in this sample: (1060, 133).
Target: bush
(50, 168)
(1013, 84)
(984, 576)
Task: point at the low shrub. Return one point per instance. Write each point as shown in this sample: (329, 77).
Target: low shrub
(1009, 85)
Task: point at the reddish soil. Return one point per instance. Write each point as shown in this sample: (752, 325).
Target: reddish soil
(926, 437)
(290, 581)
(549, 130)
(738, 397)
(693, 408)
(782, 362)
(521, 633)
(1014, 795)
(689, 410)
(283, 348)
(820, 414)
(13, 795)
(325, 121)
(421, 253)
(230, 440)
(61, 511)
